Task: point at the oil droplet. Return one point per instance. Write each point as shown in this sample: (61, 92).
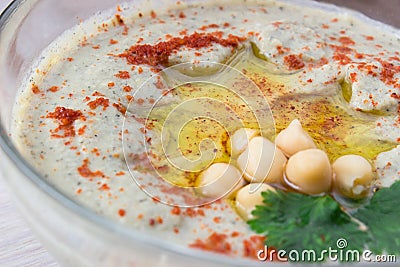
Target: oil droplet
(346, 90)
(198, 127)
(333, 126)
(257, 53)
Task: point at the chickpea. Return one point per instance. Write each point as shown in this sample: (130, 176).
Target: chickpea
(262, 161)
(309, 171)
(352, 176)
(248, 197)
(240, 139)
(219, 180)
(294, 139)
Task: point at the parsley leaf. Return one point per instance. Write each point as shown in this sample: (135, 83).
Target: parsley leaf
(382, 217)
(293, 221)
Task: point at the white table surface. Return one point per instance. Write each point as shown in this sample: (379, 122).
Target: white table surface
(18, 246)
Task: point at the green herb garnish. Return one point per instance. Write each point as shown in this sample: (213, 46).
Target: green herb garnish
(293, 221)
(382, 217)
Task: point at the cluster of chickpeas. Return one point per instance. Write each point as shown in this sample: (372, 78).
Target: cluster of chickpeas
(293, 162)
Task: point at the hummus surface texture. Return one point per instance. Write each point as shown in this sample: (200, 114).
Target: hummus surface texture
(69, 116)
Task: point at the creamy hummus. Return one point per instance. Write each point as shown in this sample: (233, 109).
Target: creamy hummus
(69, 116)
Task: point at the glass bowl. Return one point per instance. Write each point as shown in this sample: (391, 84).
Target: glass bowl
(76, 236)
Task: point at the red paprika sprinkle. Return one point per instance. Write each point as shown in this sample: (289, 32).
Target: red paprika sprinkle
(96, 93)
(82, 130)
(104, 187)
(122, 75)
(35, 89)
(120, 108)
(54, 89)
(121, 212)
(255, 244)
(215, 242)
(293, 62)
(182, 15)
(346, 41)
(176, 210)
(127, 88)
(66, 118)
(85, 171)
(101, 101)
(252, 245)
(154, 55)
(112, 41)
(119, 19)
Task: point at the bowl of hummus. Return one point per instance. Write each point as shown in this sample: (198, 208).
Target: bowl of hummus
(169, 133)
